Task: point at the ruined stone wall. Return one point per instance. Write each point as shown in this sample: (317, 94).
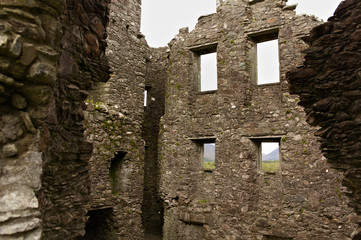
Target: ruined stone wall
(114, 125)
(236, 200)
(329, 87)
(82, 63)
(52, 52)
(29, 50)
(156, 76)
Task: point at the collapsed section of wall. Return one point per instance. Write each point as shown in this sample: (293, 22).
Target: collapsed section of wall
(217, 182)
(329, 85)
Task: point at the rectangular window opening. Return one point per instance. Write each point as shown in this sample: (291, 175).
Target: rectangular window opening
(208, 155)
(270, 156)
(265, 66)
(145, 97)
(268, 62)
(208, 72)
(206, 67)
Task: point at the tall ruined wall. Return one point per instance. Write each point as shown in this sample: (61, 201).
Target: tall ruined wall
(65, 192)
(52, 52)
(236, 200)
(329, 84)
(156, 76)
(114, 125)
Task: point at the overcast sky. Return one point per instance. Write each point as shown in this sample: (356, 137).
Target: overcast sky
(161, 19)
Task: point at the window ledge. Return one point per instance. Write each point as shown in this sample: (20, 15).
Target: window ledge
(268, 84)
(207, 92)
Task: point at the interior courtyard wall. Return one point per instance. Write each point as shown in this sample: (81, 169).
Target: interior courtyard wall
(305, 199)
(114, 124)
(155, 78)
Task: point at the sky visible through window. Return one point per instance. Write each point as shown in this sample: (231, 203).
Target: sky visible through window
(267, 62)
(209, 72)
(269, 147)
(270, 160)
(209, 155)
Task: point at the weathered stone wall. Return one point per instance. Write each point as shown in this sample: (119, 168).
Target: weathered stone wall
(52, 52)
(156, 76)
(29, 56)
(114, 125)
(329, 84)
(235, 200)
(65, 193)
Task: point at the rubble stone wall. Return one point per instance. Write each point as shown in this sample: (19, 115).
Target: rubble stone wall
(52, 52)
(156, 76)
(29, 57)
(114, 125)
(329, 84)
(305, 199)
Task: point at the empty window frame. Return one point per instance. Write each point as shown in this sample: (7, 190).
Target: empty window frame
(208, 78)
(269, 155)
(145, 97)
(206, 67)
(265, 64)
(208, 155)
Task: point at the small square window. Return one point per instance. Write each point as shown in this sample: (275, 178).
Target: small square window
(270, 156)
(208, 156)
(268, 153)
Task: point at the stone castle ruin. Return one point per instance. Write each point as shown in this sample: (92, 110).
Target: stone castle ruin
(103, 137)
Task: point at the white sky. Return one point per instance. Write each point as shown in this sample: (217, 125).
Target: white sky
(268, 147)
(161, 19)
(209, 72)
(268, 62)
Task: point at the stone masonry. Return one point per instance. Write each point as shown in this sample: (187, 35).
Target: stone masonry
(304, 200)
(114, 126)
(329, 85)
(51, 53)
(82, 157)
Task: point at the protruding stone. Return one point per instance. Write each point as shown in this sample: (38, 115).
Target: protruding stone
(37, 94)
(3, 43)
(10, 150)
(27, 121)
(97, 27)
(19, 225)
(16, 46)
(25, 170)
(11, 128)
(41, 72)
(18, 101)
(6, 80)
(17, 197)
(29, 54)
